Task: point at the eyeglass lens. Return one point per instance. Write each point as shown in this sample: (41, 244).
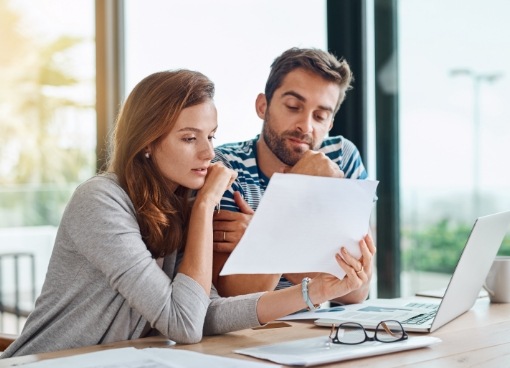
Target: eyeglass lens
(350, 333)
(389, 331)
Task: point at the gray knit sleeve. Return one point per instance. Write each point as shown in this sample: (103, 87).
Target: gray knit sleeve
(231, 314)
(102, 222)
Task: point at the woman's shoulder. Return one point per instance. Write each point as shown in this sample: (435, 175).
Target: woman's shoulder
(98, 198)
(101, 186)
(100, 182)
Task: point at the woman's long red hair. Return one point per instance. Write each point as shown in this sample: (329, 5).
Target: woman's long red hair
(147, 116)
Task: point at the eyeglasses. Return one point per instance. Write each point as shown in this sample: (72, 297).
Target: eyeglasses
(352, 333)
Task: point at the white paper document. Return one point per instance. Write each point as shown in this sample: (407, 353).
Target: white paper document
(301, 222)
(369, 313)
(318, 350)
(146, 358)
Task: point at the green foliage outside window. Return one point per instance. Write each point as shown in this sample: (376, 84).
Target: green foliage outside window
(437, 248)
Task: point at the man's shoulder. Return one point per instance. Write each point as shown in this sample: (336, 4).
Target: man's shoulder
(237, 148)
(344, 152)
(336, 143)
(238, 154)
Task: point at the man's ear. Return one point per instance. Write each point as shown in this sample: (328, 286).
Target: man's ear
(261, 105)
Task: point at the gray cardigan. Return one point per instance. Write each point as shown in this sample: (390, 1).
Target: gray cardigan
(102, 284)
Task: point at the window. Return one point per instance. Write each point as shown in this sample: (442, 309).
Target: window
(232, 42)
(454, 73)
(48, 124)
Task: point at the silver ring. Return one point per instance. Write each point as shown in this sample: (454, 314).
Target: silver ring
(224, 234)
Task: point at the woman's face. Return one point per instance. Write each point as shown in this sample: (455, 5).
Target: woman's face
(184, 155)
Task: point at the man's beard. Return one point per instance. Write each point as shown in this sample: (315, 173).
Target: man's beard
(277, 143)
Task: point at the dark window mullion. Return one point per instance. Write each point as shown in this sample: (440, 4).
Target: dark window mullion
(387, 148)
(346, 22)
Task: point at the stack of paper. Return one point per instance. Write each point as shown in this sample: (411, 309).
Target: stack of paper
(318, 350)
(146, 358)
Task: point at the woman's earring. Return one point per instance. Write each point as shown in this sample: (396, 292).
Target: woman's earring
(147, 155)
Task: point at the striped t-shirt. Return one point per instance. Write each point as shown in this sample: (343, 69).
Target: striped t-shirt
(251, 182)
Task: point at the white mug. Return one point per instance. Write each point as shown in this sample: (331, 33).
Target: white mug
(497, 282)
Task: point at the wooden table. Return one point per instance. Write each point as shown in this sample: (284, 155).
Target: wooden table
(478, 338)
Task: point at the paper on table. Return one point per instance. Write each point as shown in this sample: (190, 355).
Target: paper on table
(301, 222)
(365, 313)
(318, 350)
(146, 358)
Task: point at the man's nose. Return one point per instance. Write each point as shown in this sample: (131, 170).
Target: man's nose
(305, 123)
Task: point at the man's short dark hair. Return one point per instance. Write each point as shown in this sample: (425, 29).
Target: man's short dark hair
(317, 61)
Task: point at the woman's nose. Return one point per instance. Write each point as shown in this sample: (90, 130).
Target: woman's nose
(207, 152)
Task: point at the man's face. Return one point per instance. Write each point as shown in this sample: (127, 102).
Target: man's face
(300, 115)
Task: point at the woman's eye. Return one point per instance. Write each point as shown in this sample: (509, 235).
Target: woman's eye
(211, 137)
(189, 139)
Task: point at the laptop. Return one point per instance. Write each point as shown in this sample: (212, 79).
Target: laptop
(461, 293)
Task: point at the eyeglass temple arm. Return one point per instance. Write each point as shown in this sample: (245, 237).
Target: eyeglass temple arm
(332, 331)
(387, 329)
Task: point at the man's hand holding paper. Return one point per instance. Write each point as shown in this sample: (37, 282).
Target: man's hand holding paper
(301, 223)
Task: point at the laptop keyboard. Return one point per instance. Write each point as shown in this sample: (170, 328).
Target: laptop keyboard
(422, 318)
(422, 305)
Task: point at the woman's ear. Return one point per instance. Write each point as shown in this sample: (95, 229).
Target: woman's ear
(147, 152)
(261, 105)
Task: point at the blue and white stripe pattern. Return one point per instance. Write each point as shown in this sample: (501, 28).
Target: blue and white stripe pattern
(251, 182)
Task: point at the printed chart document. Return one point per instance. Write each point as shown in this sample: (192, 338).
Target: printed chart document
(146, 358)
(301, 222)
(365, 313)
(318, 350)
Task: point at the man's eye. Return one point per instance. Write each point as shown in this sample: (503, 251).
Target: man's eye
(211, 137)
(294, 108)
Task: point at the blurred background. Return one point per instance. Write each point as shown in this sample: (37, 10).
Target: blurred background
(428, 111)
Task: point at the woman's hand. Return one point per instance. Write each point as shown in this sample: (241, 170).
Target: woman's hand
(197, 260)
(218, 180)
(323, 286)
(354, 287)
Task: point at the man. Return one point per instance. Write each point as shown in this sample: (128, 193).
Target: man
(304, 91)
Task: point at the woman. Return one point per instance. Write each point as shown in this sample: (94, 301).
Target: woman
(133, 253)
